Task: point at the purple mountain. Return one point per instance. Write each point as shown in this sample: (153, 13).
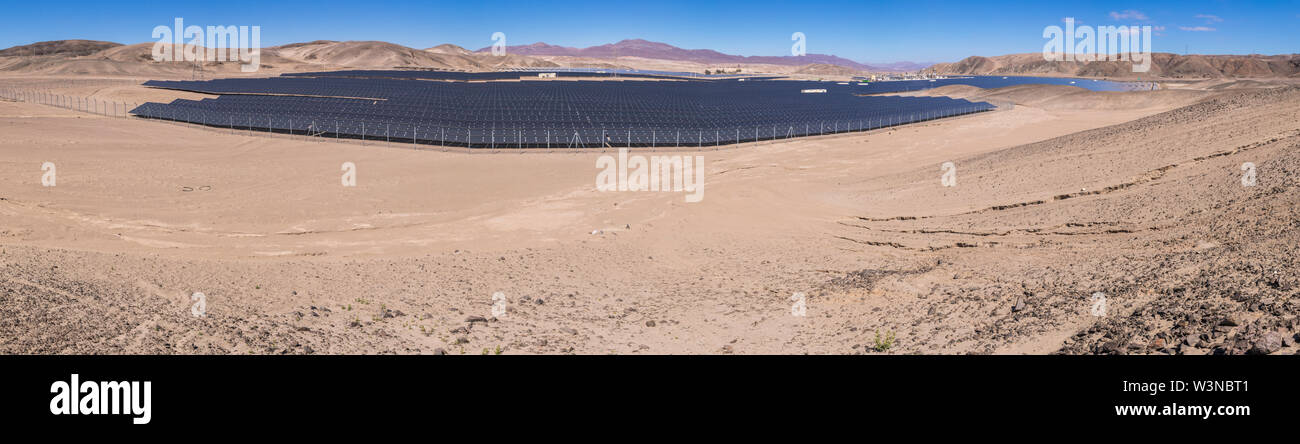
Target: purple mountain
(664, 51)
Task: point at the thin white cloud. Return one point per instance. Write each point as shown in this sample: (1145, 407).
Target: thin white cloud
(1196, 28)
(1209, 18)
(1128, 14)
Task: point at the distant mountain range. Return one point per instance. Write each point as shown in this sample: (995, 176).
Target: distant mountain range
(88, 57)
(663, 51)
(1163, 65)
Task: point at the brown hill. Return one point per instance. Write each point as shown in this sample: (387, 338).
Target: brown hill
(1162, 65)
(77, 57)
(369, 54)
(71, 48)
(382, 55)
(129, 60)
(447, 48)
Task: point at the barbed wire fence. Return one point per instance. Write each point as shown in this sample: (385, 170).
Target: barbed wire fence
(433, 137)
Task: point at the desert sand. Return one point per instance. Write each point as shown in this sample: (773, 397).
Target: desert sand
(1134, 195)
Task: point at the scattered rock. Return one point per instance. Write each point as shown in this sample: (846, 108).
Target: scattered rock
(439, 352)
(650, 323)
(1267, 343)
(1115, 347)
(473, 319)
(1020, 305)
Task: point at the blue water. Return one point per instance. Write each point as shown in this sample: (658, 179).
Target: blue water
(989, 82)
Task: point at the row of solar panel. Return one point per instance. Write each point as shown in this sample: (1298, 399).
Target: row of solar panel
(500, 75)
(576, 115)
(398, 88)
(530, 137)
(581, 113)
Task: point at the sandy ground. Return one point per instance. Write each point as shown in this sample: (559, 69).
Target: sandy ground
(1137, 196)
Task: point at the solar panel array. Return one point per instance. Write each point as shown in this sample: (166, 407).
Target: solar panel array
(545, 113)
(512, 74)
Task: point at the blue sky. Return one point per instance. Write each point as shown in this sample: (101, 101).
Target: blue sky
(866, 31)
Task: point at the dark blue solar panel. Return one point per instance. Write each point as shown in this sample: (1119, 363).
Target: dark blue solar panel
(545, 113)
